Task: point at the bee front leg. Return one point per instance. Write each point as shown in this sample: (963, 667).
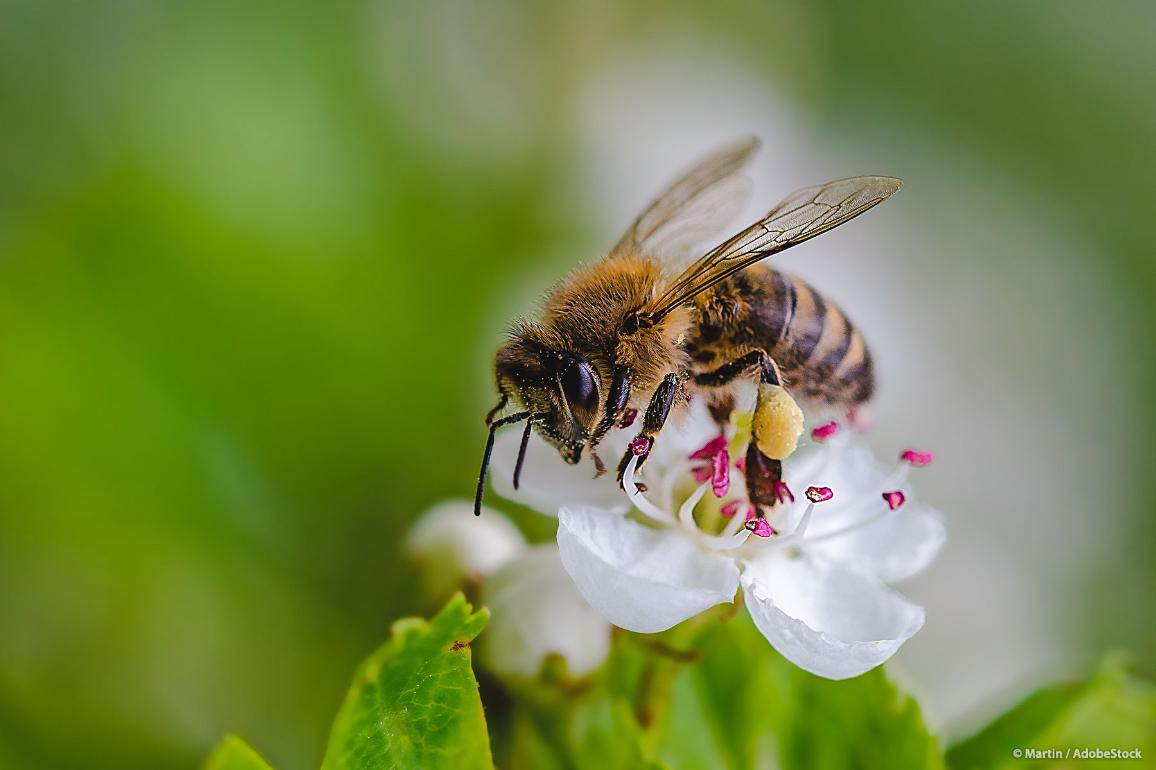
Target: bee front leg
(615, 406)
(656, 413)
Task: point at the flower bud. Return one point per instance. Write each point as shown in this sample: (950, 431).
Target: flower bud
(535, 613)
(778, 422)
(453, 547)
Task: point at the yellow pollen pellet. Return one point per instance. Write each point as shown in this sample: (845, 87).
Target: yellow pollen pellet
(778, 422)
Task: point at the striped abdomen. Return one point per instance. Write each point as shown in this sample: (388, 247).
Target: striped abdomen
(821, 355)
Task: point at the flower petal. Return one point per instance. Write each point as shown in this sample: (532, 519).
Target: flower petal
(845, 464)
(832, 621)
(547, 482)
(638, 578)
(895, 547)
(892, 544)
(536, 611)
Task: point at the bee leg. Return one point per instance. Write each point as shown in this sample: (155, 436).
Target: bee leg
(505, 399)
(656, 413)
(729, 372)
(763, 476)
(775, 428)
(616, 400)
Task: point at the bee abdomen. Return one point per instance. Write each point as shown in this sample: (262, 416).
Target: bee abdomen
(822, 354)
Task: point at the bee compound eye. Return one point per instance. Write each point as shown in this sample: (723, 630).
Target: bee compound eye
(577, 378)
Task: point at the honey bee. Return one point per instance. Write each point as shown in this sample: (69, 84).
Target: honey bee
(631, 334)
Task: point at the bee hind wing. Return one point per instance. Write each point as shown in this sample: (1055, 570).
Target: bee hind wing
(695, 206)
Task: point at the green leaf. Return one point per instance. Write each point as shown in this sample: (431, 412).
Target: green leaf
(591, 730)
(414, 703)
(865, 722)
(604, 735)
(1109, 711)
(715, 701)
(586, 724)
(234, 754)
(742, 706)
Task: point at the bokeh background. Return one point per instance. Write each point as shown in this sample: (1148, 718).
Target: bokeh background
(254, 258)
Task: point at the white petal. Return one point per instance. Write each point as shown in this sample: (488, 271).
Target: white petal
(638, 578)
(453, 547)
(536, 611)
(848, 467)
(547, 482)
(896, 546)
(892, 544)
(832, 621)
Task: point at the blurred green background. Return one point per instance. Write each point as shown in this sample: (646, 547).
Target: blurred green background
(254, 258)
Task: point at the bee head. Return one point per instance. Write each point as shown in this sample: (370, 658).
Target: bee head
(561, 389)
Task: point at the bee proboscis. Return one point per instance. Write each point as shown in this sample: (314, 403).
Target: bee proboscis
(633, 334)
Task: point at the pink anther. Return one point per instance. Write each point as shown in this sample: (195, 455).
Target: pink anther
(731, 507)
(819, 494)
(916, 458)
(720, 480)
(710, 449)
(760, 527)
(894, 499)
(825, 431)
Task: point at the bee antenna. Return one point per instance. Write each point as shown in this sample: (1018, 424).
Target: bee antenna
(489, 450)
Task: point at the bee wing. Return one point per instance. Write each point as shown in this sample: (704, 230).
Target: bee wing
(801, 216)
(695, 206)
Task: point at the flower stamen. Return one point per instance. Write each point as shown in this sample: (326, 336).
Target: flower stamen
(894, 499)
(916, 458)
(804, 522)
(720, 480)
(819, 494)
(686, 510)
(760, 527)
(638, 499)
(825, 431)
(708, 450)
(731, 507)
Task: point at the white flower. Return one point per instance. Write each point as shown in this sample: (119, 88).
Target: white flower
(536, 611)
(452, 547)
(814, 575)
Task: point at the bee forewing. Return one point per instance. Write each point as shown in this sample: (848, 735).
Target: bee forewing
(799, 217)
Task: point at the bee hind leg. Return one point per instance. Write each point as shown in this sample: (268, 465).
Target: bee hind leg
(652, 422)
(775, 429)
(729, 372)
(764, 474)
